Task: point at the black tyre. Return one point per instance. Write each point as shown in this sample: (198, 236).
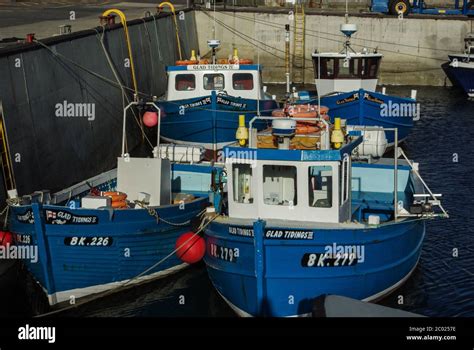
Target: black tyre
(397, 6)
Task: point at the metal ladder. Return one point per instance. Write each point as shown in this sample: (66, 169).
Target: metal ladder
(6, 162)
(298, 43)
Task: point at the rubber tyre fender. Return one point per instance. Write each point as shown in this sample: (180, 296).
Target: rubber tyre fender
(395, 5)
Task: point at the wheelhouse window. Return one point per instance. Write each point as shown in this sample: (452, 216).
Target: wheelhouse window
(242, 81)
(348, 68)
(279, 185)
(342, 68)
(320, 186)
(185, 82)
(214, 81)
(370, 67)
(325, 67)
(242, 183)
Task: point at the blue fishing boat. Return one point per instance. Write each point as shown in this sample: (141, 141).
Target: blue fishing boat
(460, 68)
(205, 98)
(118, 228)
(305, 215)
(346, 83)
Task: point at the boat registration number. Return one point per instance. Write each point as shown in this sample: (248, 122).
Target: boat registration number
(328, 259)
(88, 241)
(23, 239)
(223, 253)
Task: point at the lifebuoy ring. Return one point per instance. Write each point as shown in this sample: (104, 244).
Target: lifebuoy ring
(241, 61)
(307, 111)
(186, 62)
(204, 61)
(119, 204)
(222, 61)
(279, 113)
(305, 128)
(115, 196)
(119, 199)
(301, 111)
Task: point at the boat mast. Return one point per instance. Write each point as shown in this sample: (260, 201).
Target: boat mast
(258, 71)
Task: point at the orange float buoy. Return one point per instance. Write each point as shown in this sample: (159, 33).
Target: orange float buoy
(6, 238)
(190, 247)
(150, 119)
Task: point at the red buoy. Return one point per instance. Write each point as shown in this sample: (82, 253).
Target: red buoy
(6, 238)
(190, 247)
(150, 119)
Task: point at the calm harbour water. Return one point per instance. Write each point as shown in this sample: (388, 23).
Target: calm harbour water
(442, 285)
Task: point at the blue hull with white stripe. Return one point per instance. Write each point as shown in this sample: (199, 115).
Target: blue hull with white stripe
(268, 278)
(209, 121)
(88, 251)
(364, 107)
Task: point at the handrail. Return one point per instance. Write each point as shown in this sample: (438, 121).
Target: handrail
(123, 20)
(170, 5)
(135, 103)
(434, 196)
(395, 161)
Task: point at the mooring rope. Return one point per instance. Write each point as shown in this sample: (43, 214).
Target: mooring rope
(122, 87)
(78, 65)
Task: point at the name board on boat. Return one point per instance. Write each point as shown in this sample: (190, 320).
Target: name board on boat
(62, 217)
(213, 67)
(289, 234)
(371, 98)
(199, 103)
(241, 231)
(354, 97)
(26, 218)
(223, 101)
(272, 233)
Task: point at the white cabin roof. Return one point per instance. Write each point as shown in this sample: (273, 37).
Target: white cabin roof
(344, 55)
(191, 81)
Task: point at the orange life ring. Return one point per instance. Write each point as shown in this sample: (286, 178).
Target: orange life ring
(305, 128)
(204, 61)
(301, 111)
(186, 62)
(279, 113)
(307, 111)
(115, 196)
(222, 61)
(241, 61)
(119, 204)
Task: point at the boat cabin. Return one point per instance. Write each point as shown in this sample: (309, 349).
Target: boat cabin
(347, 70)
(294, 184)
(341, 72)
(199, 80)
